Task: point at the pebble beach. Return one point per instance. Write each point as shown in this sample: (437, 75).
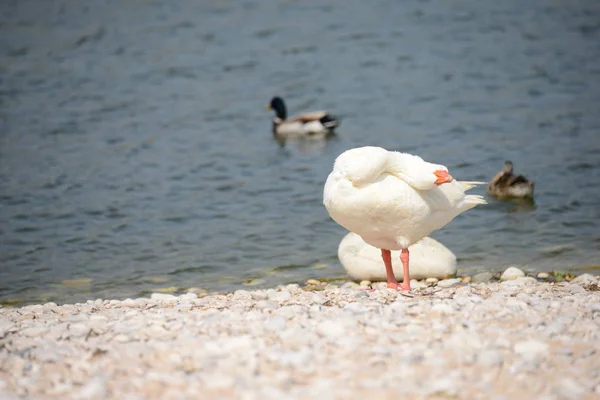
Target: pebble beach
(516, 339)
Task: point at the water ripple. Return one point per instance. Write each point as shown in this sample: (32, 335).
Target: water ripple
(135, 151)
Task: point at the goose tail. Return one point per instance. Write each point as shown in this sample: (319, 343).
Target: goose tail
(475, 199)
(466, 185)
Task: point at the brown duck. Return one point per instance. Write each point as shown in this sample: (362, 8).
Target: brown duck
(507, 185)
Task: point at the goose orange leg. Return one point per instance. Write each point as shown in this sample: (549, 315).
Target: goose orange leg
(392, 283)
(404, 259)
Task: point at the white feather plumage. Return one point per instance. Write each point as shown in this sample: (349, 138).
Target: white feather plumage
(390, 198)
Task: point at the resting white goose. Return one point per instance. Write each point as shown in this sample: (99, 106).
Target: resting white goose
(310, 124)
(393, 200)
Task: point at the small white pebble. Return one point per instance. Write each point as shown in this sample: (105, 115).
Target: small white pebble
(317, 298)
(331, 329)
(279, 297)
(218, 381)
(355, 308)
(275, 324)
(33, 332)
(531, 350)
(121, 338)
(445, 283)
(490, 358)
(94, 389)
(241, 295)
(595, 307)
(511, 273)
(190, 296)
(568, 388)
(259, 295)
(163, 297)
(442, 308)
(415, 284)
(575, 289)
(129, 303)
(265, 304)
(584, 280)
(519, 282)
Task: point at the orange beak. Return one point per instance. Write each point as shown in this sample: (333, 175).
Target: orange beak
(442, 177)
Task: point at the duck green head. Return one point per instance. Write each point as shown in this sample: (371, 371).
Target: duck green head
(278, 106)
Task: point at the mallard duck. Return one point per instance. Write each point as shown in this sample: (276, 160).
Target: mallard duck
(392, 200)
(428, 259)
(306, 124)
(507, 185)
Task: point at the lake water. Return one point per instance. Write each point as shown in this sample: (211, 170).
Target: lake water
(136, 155)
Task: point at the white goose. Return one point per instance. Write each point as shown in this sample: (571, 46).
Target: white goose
(393, 200)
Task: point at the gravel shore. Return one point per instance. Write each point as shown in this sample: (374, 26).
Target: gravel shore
(519, 339)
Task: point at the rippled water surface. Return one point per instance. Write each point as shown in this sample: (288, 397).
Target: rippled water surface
(135, 153)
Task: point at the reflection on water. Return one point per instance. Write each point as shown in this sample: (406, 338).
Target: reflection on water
(135, 154)
(306, 146)
(512, 205)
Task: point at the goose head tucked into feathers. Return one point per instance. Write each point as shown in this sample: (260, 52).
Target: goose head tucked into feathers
(364, 165)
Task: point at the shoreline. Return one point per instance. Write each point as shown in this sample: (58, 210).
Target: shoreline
(487, 276)
(519, 338)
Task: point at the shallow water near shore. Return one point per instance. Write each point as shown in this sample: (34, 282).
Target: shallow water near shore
(135, 154)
